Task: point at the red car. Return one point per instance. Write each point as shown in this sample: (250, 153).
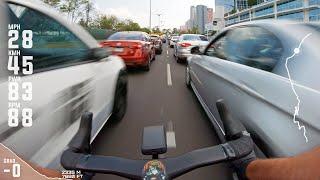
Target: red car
(135, 48)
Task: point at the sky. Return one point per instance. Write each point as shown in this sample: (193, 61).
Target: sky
(174, 12)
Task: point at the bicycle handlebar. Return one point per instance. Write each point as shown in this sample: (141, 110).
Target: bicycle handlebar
(78, 157)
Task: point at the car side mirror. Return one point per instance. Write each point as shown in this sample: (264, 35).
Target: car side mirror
(196, 50)
(100, 53)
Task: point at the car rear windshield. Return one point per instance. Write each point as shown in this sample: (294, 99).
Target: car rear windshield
(194, 38)
(154, 37)
(175, 37)
(126, 36)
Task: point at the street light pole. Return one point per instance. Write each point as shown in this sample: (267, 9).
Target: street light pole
(159, 15)
(150, 17)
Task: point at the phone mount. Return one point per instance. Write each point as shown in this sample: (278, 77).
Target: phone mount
(154, 141)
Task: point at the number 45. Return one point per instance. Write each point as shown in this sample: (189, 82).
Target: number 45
(13, 65)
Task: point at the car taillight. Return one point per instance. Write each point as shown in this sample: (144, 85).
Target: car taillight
(136, 46)
(184, 44)
(103, 44)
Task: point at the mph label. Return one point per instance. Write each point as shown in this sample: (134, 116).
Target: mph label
(18, 65)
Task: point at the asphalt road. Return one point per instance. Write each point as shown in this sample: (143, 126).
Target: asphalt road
(155, 99)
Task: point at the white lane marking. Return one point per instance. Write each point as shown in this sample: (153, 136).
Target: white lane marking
(171, 137)
(297, 107)
(6, 170)
(169, 80)
(167, 52)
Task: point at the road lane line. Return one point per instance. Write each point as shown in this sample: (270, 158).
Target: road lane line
(169, 80)
(171, 137)
(167, 52)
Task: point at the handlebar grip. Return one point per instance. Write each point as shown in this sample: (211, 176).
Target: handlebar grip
(242, 146)
(69, 159)
(233, 128)
(81, 141)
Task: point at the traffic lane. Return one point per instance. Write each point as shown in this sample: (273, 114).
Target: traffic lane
(193, 129)
(152, 101)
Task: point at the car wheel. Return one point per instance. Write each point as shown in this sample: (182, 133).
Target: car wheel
(187, 76)
(178, 59)
(147, 67)
(154, 57)
(120, 98)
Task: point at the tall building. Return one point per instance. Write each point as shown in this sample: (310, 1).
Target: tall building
(210, 15)
(241, 4)
(193, 15)
(229, 5)
(295, 10)
(202, 18)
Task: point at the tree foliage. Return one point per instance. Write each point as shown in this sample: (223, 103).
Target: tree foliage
(82, 12)
(53, 3)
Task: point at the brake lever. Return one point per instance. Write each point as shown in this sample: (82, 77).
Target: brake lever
(81, 141)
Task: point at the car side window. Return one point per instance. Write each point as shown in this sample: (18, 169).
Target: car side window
(217, 49)
(54, 46)
(255, 47)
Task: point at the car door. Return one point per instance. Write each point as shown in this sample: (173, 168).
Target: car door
(65, 83)
(206, 83)
(240, 72)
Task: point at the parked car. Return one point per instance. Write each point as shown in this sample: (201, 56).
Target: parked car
(164, 39)
(71, 74)
(173, 41)
(248, 66)
(157, 43)
(182, 49)
(134, 47)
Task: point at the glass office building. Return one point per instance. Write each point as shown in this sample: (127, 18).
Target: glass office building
(296, 10)
(229, 5)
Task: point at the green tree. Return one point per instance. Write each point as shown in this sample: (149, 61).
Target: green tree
(88, 9)
(194, 30)
(74, 8)
(156, 31)
(108, 22)
(147, 30)
(53, 3)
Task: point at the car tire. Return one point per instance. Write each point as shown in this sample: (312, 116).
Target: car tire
(154, 57)
(187, 77)
(178, 59)
(147, 67)
(120, 98)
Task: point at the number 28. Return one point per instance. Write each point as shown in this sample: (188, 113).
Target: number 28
(26, 39)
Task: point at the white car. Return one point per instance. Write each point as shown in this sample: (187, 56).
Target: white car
(182, 49)
(173, 41)
(72, 74)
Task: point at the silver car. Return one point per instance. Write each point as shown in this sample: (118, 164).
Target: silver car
(71, 75)
(182, 49)
(173, 41)
(267, 72)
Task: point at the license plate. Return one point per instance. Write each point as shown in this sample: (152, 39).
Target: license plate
(118, 49)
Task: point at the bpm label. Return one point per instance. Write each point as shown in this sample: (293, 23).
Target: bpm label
(19, 91)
